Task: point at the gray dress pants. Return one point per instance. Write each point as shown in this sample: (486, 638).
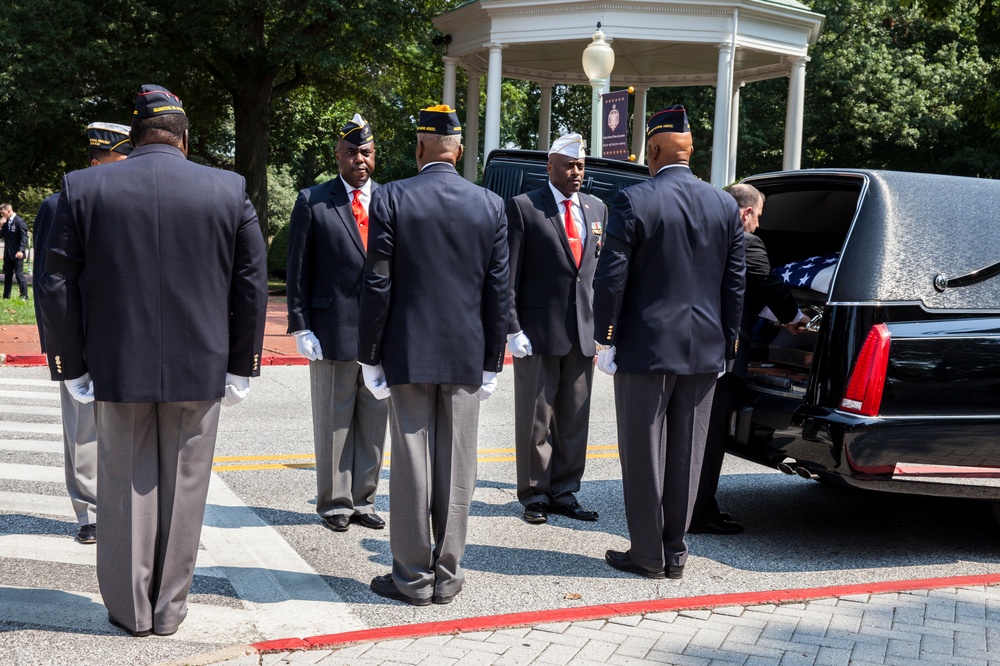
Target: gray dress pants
(662, 425)
(80, 455)
(434, 433)
(154, 465)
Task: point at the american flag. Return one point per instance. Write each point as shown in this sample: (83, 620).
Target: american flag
(812, 273)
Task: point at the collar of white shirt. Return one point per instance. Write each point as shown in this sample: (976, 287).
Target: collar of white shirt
(366, 189)
(560, 197)
(673, 166)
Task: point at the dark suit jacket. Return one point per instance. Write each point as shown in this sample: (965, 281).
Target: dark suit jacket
(668, 290)
(43, 224)
(325, 261)
(15, 237)
(764, 289)
(440, 316)
(176, 279)
(552, 299)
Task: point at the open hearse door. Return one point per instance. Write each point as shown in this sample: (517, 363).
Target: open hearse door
(896, 383)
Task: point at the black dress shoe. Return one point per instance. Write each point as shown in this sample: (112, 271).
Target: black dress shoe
(718, 526)
(675, 572)
(536, 513)
(338, 522)
(130, 632)
(87, 534)
(623, 562)
(384, 586)
(444, 598)
(574, 511)
(370, 520)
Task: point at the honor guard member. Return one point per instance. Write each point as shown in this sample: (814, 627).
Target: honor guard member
(327, 245)
(764, 289)
(175, 323)
(667, 297)
(108, 142)
(434, 305)
(553, 254)
(14, 231)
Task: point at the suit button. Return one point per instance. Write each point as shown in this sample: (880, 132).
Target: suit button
(577, 278)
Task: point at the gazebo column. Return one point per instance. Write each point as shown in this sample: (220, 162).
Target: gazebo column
(639, 126)
(734, 132)
(723, 100)
(494, 78)
(545, 117)
(794, 110)
(471, 165)
(448, 94)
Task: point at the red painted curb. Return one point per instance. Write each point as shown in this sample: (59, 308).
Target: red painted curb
(494, 622)
(27, 360)
(284, 360)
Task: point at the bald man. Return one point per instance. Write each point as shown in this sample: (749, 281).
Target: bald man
(667, 298)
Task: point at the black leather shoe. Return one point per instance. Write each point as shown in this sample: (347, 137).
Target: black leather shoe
(337, 523)
(623, 562)
(130, 632)
(718, 526)
(370, 520)
(384, 586)
(444, 598)
(574, 511)
(536, 513)
(675, 572)
(87, 534)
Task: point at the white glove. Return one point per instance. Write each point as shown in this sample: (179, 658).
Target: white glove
(375, 380)
(307, 344)
(237, 389)
(606, 360)
(81, 388)
(489, 384)
(518, 344)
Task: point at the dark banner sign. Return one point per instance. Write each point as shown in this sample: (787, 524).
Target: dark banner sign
(615, 133)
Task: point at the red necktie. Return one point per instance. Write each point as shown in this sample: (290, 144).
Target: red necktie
(575, 246)
(361, 216)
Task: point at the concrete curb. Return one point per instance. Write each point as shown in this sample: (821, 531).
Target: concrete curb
(496, 622)
(34, 360)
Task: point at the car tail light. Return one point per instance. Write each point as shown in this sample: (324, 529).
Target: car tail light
(864, 390)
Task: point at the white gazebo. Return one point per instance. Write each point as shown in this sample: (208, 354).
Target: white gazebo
(721, 43)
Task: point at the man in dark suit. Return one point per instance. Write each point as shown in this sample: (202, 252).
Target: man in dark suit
(667, 297)
(176, 297)
(763, 290)
(553, 254)
(15, 246)
(108, 142)
(434, 304)
(326, 254)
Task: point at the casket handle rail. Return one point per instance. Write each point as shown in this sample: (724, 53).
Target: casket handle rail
(941, 282)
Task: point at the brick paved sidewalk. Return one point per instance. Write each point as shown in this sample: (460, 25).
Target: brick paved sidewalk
(947, 626)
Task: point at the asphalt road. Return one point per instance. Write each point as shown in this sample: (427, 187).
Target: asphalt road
(269, 570)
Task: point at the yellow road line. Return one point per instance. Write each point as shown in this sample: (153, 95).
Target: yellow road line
(253, 463)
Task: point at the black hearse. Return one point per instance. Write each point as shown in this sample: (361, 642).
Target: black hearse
(896, 383)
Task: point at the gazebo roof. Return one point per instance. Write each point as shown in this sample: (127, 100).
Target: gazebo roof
(656, 42)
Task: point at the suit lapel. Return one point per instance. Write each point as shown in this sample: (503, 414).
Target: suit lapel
(590, 220)
(556, 214)
(341, 203)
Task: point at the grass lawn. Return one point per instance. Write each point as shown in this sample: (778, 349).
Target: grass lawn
(16, 311)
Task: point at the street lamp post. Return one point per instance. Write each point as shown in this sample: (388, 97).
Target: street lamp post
(598, 61)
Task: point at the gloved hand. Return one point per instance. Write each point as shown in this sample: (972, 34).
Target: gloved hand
(489, 384)
(81, 388)
(307, 344)
(237, 389)
(375, 380)
(798, 324)
(518, 344)
(606, 359)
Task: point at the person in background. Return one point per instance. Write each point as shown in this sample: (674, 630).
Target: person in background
(107, 143)
(14, 230)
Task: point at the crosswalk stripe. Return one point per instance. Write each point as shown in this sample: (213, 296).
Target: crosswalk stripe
(31, 445)
(41, 428)
(13, 381)
(30, 395)
(18, 472)
(31, 409)
(31, 503)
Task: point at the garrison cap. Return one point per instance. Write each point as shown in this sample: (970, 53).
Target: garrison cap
(154, 100)
(570, 145)
(109, 136)
(671, 119)
(440, 119)
(357, 131)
